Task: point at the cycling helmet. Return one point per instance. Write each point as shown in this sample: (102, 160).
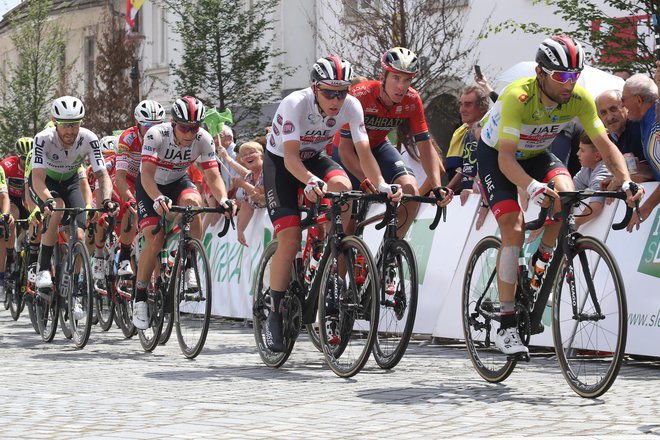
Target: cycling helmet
(561, 53)
(23, 146)
(332, 71)
(149, 112)
(400, 60)
(188, 110)
(68, 108)
(109, 145)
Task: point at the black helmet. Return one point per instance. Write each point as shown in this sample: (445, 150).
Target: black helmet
(561, 53)
(332, 71)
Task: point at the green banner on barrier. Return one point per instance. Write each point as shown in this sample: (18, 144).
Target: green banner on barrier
(650, 262)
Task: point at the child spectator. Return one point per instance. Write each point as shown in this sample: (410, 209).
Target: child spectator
(592, 173)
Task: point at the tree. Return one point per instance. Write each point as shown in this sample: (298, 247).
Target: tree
(226, 59)
(613, 41)
(28, 86)
(433, 29)
(111, 101)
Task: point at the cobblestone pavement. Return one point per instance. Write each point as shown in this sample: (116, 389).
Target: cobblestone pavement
(113, 389)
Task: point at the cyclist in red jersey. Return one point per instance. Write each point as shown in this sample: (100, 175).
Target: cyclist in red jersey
(14, 169)
(129, 153)
(387, 104)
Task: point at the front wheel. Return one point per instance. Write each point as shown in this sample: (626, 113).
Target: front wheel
(398, 309)
(590, 339)
(150, 337)
(348, 308)
(81, 295)
(480, 312)
(193, 296)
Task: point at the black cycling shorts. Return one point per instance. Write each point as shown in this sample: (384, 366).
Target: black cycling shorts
(145, 205)
(67, 190)
(501, 194)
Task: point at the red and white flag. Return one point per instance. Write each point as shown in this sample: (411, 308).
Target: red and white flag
(132, 8)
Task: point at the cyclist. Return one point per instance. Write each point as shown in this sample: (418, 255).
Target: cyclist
(167, 152)
(514, 151)
(304, 123)
(14, 169)
(108, 149)
(7, 218)
(54, 182)
(129, 152)
(387, 103)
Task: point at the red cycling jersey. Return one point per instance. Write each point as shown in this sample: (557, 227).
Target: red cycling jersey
(380, 120)
(15, 176)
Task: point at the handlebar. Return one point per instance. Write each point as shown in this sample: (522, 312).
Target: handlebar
(191, 211)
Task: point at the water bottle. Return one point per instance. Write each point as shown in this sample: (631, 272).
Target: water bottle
(360, 274)
(170, 259)
(539, 270)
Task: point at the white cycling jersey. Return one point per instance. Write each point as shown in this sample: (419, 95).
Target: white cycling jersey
(298, 119)
(172, 161)
(62, 164)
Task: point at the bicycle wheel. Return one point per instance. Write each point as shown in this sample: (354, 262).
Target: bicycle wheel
(590, 341)
(168, 325)
(149, 338)
(103, 292)
(124, 306)
(480, 312)
(81, 295)
(397, 313)
(15, 298)
(193, 295)
(59, 254)
(348, 309)
(32, 312)
(261, 310)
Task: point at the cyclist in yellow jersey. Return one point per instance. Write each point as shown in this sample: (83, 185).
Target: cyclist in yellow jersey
(513, 151)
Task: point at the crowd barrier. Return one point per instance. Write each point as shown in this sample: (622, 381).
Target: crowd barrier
(442, 257)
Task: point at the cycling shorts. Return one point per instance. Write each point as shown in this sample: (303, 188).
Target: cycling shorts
(502, 195)
(67, 190)
(282, 187)
(146, 213)
(18, 201)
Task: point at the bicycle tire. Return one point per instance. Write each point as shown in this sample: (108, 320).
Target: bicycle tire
(357, 325)
(480, 286)
(59, 254)
(81, 295)
(150, 337)
(32, 313)
(124, 307)
(396, 321)
(590, 351)
(168, 326)
(261, 310)
(103, 302)
(47, 315)
(192, 307)
(15, 300)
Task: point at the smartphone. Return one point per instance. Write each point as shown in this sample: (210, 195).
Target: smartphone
(477, 71)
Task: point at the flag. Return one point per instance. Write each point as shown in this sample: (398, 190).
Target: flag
(215, 121)
(132, 8)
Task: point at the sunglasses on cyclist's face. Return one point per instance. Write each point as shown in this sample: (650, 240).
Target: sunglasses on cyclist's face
(562, 77)
(69, 124)
(332, 94)
(147, 125)
(186, 128)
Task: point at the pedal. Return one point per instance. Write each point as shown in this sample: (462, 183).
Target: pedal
(518, 357)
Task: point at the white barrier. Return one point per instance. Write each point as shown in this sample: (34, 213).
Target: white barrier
(442, 257)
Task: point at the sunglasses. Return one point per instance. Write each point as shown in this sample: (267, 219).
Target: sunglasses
(148, 125)
(184, 128)
(562, 77)
(67, 124)
(332, 94)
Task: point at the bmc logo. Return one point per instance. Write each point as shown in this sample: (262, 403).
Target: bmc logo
(650, 262)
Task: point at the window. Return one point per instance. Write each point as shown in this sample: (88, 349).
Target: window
(89, 60)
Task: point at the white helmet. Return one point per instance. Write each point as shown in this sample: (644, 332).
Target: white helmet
(149, 112)
(109, 145)
(68, 108)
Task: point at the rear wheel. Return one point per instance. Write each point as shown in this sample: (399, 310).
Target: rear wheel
(104, 292)
(124, 306)
(149, 338)
(348, 310)
(261, 311)
(192, 304)
(480, 312)
(14, 298)
(81, 296)
(590, 340)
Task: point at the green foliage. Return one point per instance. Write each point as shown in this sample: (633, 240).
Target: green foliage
(226, 60)
(601, 46)
(27, 87)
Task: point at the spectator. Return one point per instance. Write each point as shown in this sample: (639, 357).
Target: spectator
(225, 148)
(473, 105)
(483, 83)
(624, 133)
(251, 193)
(640, 96)
(591, 175)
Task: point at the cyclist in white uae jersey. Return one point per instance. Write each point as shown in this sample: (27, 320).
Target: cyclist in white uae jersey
(168, 150)
(304, 123)
(57, 154)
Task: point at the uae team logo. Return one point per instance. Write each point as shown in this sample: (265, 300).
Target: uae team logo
(288, 127)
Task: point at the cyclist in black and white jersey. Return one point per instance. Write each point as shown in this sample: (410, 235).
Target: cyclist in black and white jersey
(304, 123)
(168, 150)
(57, 155)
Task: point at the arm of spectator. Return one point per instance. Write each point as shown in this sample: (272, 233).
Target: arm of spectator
(244, 216)
(485, 86)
